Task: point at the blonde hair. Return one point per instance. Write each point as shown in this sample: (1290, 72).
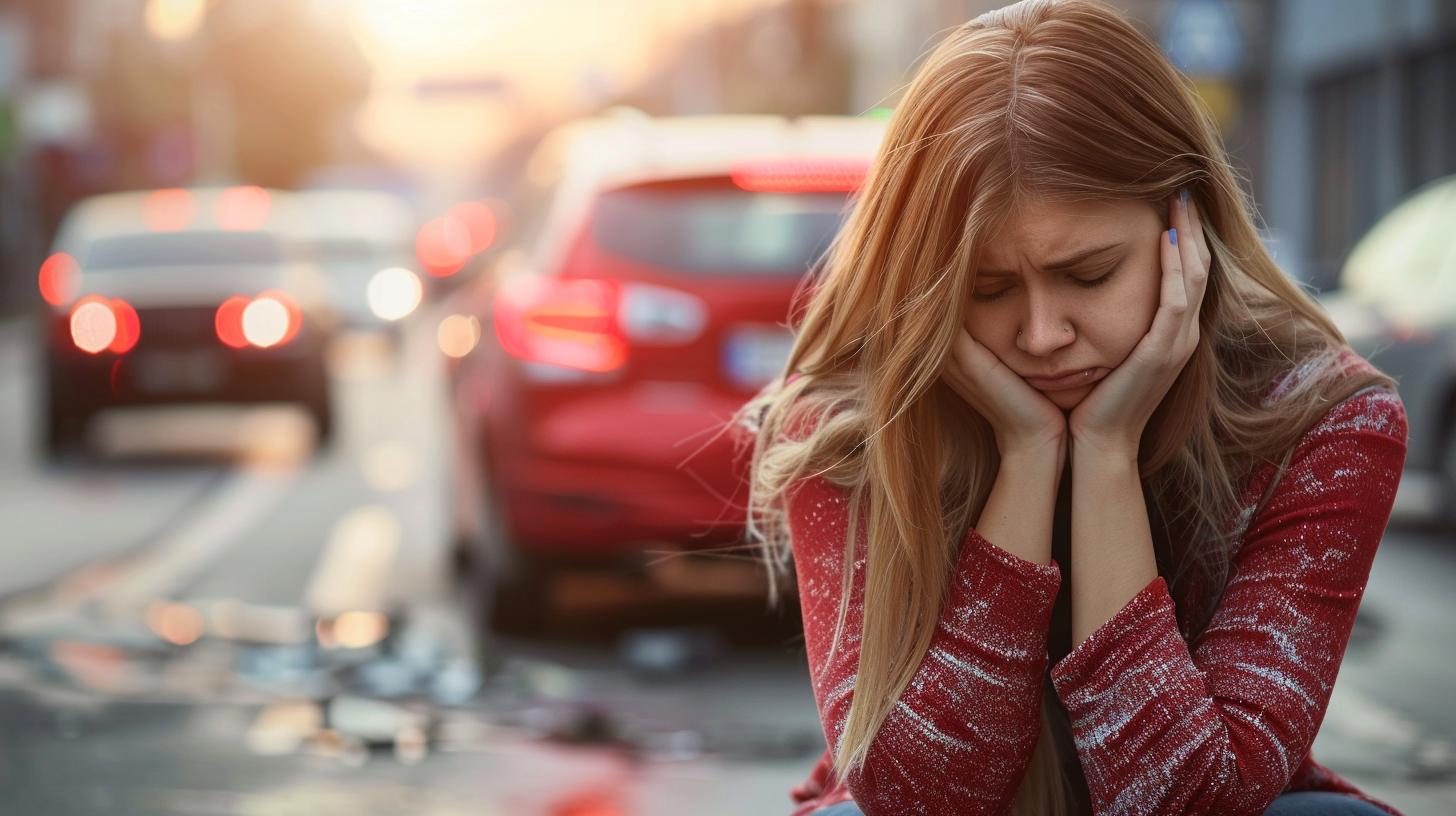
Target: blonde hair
(1063, 101)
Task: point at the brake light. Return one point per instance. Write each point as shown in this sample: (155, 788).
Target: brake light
(242, 208)
(800, 175)
(442, 245)
(568, 322)
(229, 322)
(269, 320)
(104, 324)
(1407, 332)
(168, 210)
(58, 278)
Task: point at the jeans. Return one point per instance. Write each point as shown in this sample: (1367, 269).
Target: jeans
(1302, 803)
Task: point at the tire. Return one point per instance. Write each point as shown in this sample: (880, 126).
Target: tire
(323, 421)
(319, 405)
(511, 587)
(517, 601)
(65, 421)
(65, 431)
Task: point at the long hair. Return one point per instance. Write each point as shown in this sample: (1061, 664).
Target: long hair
(1062, 101)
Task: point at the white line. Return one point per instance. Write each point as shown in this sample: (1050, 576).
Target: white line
(163, 568)
(184, 553)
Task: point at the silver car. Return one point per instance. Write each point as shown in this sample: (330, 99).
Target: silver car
(1396, 304)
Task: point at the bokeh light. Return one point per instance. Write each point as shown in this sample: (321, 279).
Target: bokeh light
(229, 321)
(443, 246)
(93, 325)
(174, 20)
(265, 322)
(458, 334)
(479, 221)
(169, 210)
(128, 327)
(359, 630)
(178, 624)
(59, 277)
(242, 208)
(394, 293)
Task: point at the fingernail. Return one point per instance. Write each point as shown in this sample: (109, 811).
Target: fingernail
(1173, 236)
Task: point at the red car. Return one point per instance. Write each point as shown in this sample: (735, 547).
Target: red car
(645, 302)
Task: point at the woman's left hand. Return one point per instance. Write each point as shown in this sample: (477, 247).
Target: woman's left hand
(1111, 418)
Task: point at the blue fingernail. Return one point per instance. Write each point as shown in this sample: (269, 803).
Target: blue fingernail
(1173, 236)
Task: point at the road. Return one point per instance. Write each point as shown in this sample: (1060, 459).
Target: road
(225, 524)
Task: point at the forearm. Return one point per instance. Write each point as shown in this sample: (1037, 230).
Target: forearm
(1018, 513)
(1112, 542)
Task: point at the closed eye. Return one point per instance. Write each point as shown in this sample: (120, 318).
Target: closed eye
(986, 297)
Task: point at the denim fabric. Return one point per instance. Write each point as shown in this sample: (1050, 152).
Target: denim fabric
(1321, 803)
(1304, 803)
(841, 809)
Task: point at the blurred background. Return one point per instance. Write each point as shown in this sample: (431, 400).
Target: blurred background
(364, 368)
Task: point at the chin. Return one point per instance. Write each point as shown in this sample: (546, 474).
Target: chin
(1068, 398)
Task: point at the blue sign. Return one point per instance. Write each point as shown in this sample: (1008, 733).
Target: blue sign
(1202, 38)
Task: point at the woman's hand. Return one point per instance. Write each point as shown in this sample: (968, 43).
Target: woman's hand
(1024, 421)
(1111, 418)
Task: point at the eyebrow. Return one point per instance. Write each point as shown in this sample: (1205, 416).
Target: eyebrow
(1069, 262)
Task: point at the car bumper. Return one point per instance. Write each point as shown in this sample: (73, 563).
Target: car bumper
(146, 376)
(609, 476)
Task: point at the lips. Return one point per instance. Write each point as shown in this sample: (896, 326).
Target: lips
(1076, 379)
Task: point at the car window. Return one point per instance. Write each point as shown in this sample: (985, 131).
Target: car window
(183, 249)
(717, 230)
(343, 252)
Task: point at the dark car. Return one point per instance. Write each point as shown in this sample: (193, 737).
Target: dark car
(179, 296)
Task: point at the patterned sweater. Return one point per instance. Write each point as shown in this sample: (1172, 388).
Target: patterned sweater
(1159, 727)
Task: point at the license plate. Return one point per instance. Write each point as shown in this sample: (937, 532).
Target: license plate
(162, 372)
(753, 356)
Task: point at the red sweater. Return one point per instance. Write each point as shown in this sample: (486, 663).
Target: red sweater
(1221, 727)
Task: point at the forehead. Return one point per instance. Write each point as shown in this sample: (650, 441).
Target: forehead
(1039, 230)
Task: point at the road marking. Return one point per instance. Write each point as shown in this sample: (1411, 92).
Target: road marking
(125, 587)
(354, 572)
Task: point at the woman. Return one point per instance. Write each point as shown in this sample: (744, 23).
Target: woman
(1126, 591)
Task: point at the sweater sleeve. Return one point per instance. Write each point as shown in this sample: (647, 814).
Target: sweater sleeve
(960, 737)
(1221, 728)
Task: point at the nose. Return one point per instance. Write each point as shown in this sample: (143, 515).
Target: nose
(1046, 327)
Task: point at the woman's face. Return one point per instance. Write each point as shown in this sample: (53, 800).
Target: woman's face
(1066, 287)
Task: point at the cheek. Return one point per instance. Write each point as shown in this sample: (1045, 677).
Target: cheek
(1123, 314)
(1136, 305)
(986, 327)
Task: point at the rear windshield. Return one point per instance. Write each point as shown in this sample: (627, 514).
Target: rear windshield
(344, 251)
(717, 230)
(184, 249)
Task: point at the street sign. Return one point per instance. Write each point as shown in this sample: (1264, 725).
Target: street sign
(1202, 38)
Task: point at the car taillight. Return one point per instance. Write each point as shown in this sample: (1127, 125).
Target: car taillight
(58, 278)
(104, 324)
(567, 322)
(587, 324)
(267, 320)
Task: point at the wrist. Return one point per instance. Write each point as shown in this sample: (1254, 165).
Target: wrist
(1037, 449)
(1104, 454)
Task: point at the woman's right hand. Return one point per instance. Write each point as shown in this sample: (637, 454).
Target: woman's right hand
(1024, 421)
